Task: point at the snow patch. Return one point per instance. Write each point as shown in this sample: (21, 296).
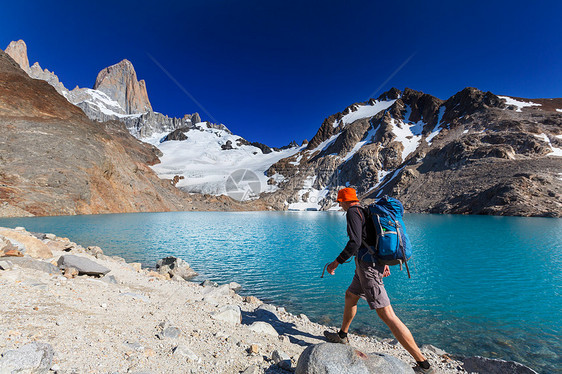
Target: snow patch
(437, 129)
(407, 134)
(559, 110)
(555, 151)
(543, 137)
(367, 111)
(517, 103)
(325, 144)
(360, 144)
(396, 172)
(297, 161)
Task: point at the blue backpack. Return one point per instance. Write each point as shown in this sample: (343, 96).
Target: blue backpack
(392, 245)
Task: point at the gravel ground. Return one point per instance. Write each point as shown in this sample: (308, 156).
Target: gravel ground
(96, 326)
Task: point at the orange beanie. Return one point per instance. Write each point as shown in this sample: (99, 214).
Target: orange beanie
(347, 194)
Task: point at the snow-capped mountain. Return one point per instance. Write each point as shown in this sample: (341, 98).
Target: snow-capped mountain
(474, 153)
(201, 162)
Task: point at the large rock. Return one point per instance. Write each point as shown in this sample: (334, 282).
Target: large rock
(230, 314)
(27, 243)
(175, 267)
(332, 358)
(83, 265)
(30, 263)
(33, 358)
(263, 328)
(479, 364)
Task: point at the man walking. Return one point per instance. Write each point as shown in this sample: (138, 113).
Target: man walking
(368, 282)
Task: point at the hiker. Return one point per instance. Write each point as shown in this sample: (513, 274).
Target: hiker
(368, 282)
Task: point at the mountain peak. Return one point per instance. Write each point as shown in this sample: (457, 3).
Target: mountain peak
(18, 51)
(120, 83)
(392, 94)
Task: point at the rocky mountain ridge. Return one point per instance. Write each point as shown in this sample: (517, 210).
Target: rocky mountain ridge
(56, 161)
(475, 153)
(116, 95)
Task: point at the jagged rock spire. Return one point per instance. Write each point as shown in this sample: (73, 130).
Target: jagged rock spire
(120, 83)
(18, 51)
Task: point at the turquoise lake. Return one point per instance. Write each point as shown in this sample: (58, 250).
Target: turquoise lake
(489, 286)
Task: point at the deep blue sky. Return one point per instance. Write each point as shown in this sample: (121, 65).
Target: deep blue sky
(273, 70)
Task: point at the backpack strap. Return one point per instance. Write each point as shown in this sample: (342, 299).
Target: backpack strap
(363, 243)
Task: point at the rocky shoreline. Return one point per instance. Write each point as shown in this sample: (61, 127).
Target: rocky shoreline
(69, 309)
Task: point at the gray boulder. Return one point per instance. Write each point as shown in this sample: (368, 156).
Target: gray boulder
(479, 364)
(332, 358)
(83, 265)
(33, 358)
(263, 328)
(31, 263)
(229, 314)
(175, 267)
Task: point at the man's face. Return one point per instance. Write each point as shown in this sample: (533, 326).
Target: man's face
(344, 205)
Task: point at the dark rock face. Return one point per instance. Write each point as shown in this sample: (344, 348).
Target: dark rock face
(178, 134)
(392, 94)
(470, 154)
(227, 146)
(196, 118)
(264, 148)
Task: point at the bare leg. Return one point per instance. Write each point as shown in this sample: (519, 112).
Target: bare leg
(400, 331)
(349, 310)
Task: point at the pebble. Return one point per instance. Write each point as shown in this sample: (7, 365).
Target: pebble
(184, 351)
(254, 349)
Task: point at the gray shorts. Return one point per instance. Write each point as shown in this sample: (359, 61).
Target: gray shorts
(367, 284)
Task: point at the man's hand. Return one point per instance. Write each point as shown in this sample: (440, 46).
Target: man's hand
(332, 267)
(386, 271)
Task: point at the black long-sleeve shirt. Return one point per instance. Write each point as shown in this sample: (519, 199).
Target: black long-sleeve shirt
(357, 232)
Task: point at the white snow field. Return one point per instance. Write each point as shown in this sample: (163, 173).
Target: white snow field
(206, 167)
(517, 103)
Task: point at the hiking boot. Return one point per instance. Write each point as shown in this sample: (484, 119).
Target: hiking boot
(419, 369)
(334, 337)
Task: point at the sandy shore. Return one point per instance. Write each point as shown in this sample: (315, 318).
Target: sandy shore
(134, 321)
